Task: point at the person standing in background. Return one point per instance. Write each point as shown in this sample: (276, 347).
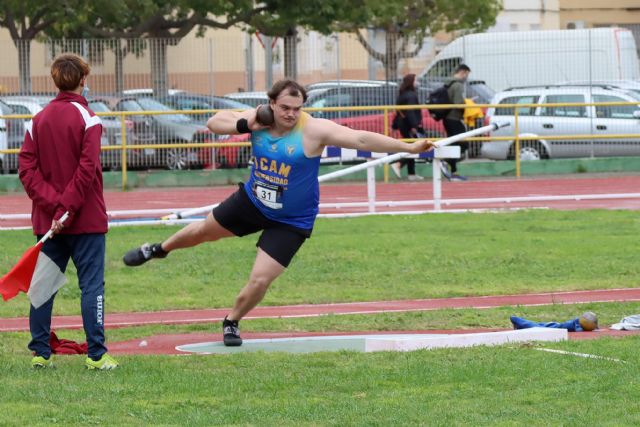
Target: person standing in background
(409, 123)
(453, 122)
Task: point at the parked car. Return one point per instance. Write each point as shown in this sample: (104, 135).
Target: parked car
(328, 84)
(42, 100)
(227, 157)
(148, 92)
(625, 85)
(251, 98)
(189, 101)
(11, 137)
(542, 121)
(112, 136)
(167, 129)
(362, 96)
(142, 133)
(24, 107)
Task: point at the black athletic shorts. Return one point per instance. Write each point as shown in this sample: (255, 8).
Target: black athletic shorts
(240, 216)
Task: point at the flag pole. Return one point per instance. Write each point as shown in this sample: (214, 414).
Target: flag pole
(47, 236)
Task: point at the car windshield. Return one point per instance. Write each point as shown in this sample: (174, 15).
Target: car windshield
(99, 107)
(150, 104)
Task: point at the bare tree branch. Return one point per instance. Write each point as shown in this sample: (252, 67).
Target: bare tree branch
(370, 50)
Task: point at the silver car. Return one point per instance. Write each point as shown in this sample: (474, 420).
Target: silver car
(541, 122)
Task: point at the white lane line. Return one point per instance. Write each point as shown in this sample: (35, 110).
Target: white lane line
(585, 355)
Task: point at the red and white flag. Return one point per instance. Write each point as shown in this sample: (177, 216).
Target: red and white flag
(35, 274)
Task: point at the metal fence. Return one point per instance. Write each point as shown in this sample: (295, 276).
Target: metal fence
(538, 131)
(228, 61)
(152, 92)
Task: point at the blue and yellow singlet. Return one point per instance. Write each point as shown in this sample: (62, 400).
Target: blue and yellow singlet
(284, 182)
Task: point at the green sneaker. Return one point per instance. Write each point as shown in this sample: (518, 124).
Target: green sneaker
(40, 362)
(106, 363)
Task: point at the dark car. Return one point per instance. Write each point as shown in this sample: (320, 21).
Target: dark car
(142, 133)
(167, 129)
(328, 84)
(252, 98)
(226, 157)
(112, 136)
(363, 96)
(350, 96)
(189, 102)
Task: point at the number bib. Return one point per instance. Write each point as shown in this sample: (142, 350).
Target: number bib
(268, 194)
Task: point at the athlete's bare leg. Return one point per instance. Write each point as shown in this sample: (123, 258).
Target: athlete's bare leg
(265, 271)
(208, 230)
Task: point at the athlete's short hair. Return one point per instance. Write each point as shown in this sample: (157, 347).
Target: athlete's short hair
(67, 71)
(294, 88)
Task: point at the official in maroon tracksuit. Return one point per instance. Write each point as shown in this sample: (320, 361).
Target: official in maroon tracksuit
(59, 166)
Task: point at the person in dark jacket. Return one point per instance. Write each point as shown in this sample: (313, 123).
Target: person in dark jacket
(453, 122)
(409, 123)
(59, 166)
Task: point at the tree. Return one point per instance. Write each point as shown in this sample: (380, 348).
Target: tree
(406, 21)
(25, 20)
(67, 34)
(282, 18)
(162, 23)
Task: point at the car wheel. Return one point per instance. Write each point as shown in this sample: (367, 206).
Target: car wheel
(530, 151)
(177, 159)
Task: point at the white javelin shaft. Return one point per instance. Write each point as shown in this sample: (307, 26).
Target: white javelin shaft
(190, 212)
(397, 156)
(362, 166)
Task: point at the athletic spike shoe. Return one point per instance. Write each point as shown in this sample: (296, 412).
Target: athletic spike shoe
(105, 363)
(40, 362)
(231, 333)
(144, 253)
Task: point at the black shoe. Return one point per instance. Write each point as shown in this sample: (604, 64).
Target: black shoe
(144, 253)
(231, 333)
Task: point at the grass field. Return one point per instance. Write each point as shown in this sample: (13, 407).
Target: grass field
(361, 259)
(479, 386)
(373, 258)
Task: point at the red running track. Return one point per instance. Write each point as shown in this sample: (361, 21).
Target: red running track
(173, 317)
(184, 198)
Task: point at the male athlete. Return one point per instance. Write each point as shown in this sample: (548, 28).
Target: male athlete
(281, 196)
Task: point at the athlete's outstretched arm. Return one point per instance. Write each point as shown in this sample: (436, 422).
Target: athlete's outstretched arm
(333, 134)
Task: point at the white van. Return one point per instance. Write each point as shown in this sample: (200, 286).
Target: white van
(528, 58)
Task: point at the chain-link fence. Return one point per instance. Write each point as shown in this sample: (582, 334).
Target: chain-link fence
(231, 61)
(228, 69)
